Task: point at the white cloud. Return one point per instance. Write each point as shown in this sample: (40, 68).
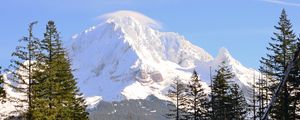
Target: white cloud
(139, 16)
(282, 2)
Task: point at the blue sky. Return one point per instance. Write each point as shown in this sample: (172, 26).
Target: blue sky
(244, 27)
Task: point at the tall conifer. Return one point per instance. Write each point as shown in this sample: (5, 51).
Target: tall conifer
(281, 51)
(228, 101)
(177, 94)
(2, 91)
(238, 103)
(21, 68)
(197, 102)
(58, 96)
(221, 102)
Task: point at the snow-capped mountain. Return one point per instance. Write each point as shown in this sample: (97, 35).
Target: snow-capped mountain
(128, 57)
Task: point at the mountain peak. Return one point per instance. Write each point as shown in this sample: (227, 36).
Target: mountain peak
(224, 51)
(125, 57)
(224, 55)
(127, 17)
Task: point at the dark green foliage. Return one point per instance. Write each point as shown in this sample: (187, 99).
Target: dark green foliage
(227, 101)
(41, 71)
(262, 96)
(17, 117)
(57, 96)
(79, 108)
(220, 104)
(2, 91)
(177, 94)
(22, 70)
(238, 103)
(196, 103)
(281, 51)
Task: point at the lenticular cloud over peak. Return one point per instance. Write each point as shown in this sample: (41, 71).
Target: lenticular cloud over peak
(123, 14)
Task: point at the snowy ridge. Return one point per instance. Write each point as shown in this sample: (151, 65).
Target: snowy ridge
(126, 58)
(92, 102)
(244, 77)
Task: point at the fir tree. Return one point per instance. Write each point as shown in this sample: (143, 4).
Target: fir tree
(46, 99)
(197, 101)
(238, 103)
(263, 95)
(253, 92)
(58, 96)
(228, 101)
(73, 105)
(281, 49)
(22, 72)
(177, 94)
(221, 104)
(2, 91)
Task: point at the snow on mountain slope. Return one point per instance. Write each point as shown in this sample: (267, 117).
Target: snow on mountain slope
(243, 76)
(92, 101)
(8, 107)
(127, 57)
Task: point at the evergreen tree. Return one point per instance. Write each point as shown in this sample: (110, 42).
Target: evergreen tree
(58, 96)
(177, 94)
(197, 101)
(258, 97)
(73, 105)
(281, 50)
(238, 103)
(221, 104)
(228, 101)
(263, 95)
(253, 93)
(295, 92)
(2, 91)
(22, 72)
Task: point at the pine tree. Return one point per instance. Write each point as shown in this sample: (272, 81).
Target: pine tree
(228, 101)
(2, 91)
(262, 96)
(197, 102)
(73, 105)
(58, 96)
(281, 50)
(45, 101)
(258, 98)
(22, 70)
(177, 94)
(221, 104)
(238, 103)
(295, 92)
(254, 101)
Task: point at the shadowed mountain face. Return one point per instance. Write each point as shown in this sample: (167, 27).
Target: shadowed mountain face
(150, 108)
